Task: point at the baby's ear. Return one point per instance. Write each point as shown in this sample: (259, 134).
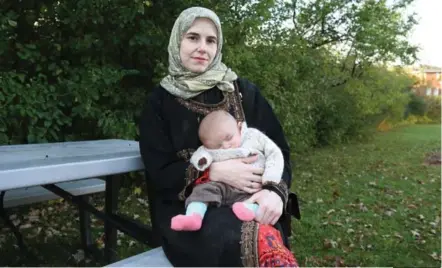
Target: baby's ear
(239, 125)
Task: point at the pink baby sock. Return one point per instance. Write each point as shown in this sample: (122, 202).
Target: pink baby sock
(244, 212)
(191, 222)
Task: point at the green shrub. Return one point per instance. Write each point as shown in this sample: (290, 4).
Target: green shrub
(417, 105)
(75, 70)
(434, 108)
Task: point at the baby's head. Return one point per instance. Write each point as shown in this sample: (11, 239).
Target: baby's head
(220, 130)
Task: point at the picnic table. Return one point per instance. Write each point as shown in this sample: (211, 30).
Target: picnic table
(52, 163)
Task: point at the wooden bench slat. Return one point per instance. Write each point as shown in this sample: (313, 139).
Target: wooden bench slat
(29, 195)
(152, 258)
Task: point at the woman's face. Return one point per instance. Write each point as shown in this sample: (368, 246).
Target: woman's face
(198, 45)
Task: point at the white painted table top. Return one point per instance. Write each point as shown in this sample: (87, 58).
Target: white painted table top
(37, 164)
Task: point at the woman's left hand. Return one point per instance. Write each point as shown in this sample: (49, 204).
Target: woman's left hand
(270, 206)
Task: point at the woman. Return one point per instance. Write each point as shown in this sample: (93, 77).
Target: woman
(198, 82)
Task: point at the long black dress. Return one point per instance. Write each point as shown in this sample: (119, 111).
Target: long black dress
(168, 136)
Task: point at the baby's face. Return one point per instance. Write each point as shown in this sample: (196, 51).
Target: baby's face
(224, 136)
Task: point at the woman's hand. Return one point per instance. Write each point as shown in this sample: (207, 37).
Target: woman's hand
(238, 173)
(270, 206)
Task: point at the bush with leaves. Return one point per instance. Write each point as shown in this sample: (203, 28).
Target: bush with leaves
(72, 70)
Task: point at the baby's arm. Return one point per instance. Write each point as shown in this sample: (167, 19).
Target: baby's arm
(201, 159)
(274, 159)
(226, 154)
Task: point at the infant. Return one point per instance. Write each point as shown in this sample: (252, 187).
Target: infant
(224, 138)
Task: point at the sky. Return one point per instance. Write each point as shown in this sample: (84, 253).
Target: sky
(428, 33)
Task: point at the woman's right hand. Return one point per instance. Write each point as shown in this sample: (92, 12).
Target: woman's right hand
(238, 173)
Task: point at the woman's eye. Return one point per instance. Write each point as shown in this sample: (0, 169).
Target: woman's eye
(193, 38)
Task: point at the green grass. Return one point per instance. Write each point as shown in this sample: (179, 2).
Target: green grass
(370, 204)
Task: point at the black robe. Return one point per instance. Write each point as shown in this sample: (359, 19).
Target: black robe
(168, 136)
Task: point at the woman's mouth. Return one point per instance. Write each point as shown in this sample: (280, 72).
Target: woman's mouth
(199, 59)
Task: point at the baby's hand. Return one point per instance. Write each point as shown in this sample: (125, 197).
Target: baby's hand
(202, 162)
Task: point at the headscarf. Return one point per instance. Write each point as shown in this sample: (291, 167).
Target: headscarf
(186, 84)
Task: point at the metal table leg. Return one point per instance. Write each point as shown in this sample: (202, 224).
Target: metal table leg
(10, 224)
(111, 206)
(85, 226)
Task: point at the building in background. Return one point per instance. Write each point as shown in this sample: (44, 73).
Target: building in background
(429, 80)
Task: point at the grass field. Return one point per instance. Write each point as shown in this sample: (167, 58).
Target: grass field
(365, 204)
(372, 204)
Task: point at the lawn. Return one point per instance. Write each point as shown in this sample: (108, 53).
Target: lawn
(365, 204)
(372, 204)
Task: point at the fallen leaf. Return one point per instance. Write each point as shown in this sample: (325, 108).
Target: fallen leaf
(79, 256)
(48, 234)
(415, 233)
(25, 226)
(363, 207)
(435, 256)
(143, 202)
(413, 219)
(330, 211)
(137, 191)
(411, 206)
(328, 243)
(389, 213)
(34, 218)
(100, 242)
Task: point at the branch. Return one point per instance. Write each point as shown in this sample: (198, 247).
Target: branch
(331, 40)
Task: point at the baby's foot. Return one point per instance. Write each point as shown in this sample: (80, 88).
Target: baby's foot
(187, 222)
(242, 212)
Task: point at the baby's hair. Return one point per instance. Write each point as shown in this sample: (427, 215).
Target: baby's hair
(212, 121)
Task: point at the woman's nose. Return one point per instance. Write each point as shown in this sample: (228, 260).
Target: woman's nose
(202, 47)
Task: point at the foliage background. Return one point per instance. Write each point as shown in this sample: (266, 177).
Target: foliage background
(74, 70)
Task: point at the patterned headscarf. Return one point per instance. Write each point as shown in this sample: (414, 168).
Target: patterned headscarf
(186, 84)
